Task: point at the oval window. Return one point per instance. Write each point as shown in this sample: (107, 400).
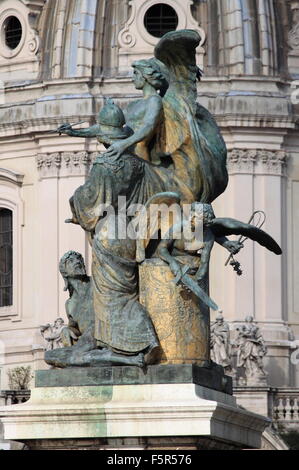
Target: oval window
(160, 19)
(12, 32)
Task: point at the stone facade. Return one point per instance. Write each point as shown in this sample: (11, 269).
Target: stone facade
(71, 54)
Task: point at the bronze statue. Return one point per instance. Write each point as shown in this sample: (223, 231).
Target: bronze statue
(79, 340)
(163, 148)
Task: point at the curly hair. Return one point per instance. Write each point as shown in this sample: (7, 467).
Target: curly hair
(153, 72)
(63, 271)
(65, 258)
(205, 209)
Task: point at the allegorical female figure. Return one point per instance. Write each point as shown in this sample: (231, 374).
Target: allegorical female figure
(172, 129)
(122, 324)
(175, 127)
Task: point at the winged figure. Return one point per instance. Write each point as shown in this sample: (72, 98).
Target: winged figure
(169, 128)
(195, 235)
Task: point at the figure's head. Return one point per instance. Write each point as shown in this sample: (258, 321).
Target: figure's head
(201, 213)
(72, 265)
(150, 71)
(249, 319)
(59, 322)
(219, 318)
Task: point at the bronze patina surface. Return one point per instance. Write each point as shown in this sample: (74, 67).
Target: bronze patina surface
(147, 301)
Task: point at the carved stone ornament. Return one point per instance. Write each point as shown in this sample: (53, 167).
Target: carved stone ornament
(251, 350)
(64, 163)
(241, 161)
(293, 37)
(137, 43)
(256, 161)
(35, 6)
(29, 43)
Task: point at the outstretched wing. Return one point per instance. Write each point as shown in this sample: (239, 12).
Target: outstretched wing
(150, 220)
(226, 226)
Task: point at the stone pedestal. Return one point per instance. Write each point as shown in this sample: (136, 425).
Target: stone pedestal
(136, 416)
(254, 398)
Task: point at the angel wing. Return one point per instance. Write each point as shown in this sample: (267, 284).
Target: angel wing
(204, 169)
(226, 226)
(152, 221)
(177, 51)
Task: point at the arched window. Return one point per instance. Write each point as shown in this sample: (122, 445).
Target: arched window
(6, 257)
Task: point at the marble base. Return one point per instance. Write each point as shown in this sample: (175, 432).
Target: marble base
(134, 415)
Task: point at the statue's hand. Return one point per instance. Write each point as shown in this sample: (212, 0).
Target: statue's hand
(65, 129)
(201, 273)
(72, 221)
(233, 246)
(116, 149)
(175, 267)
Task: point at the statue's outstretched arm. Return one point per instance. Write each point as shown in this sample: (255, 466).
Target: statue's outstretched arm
(233, 246)
(205, 260)
(226, 226)
(164, 253)
(89, 132)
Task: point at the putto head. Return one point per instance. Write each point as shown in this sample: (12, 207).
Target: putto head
(59, 322)
(202, 211)
(220, 318)
(249, 319)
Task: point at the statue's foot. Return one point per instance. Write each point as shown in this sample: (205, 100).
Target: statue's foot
(134, 360)
(79, 357)
(59, 357)
(153, 355)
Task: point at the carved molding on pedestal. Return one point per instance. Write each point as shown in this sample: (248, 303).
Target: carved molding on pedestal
(53, 165)
(257, 162)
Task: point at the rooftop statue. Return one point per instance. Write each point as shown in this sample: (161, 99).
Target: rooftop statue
(164, 148)
(251, 349)
(220, 343)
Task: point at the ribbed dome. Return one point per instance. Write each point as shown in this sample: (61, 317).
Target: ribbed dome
(80, 37)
